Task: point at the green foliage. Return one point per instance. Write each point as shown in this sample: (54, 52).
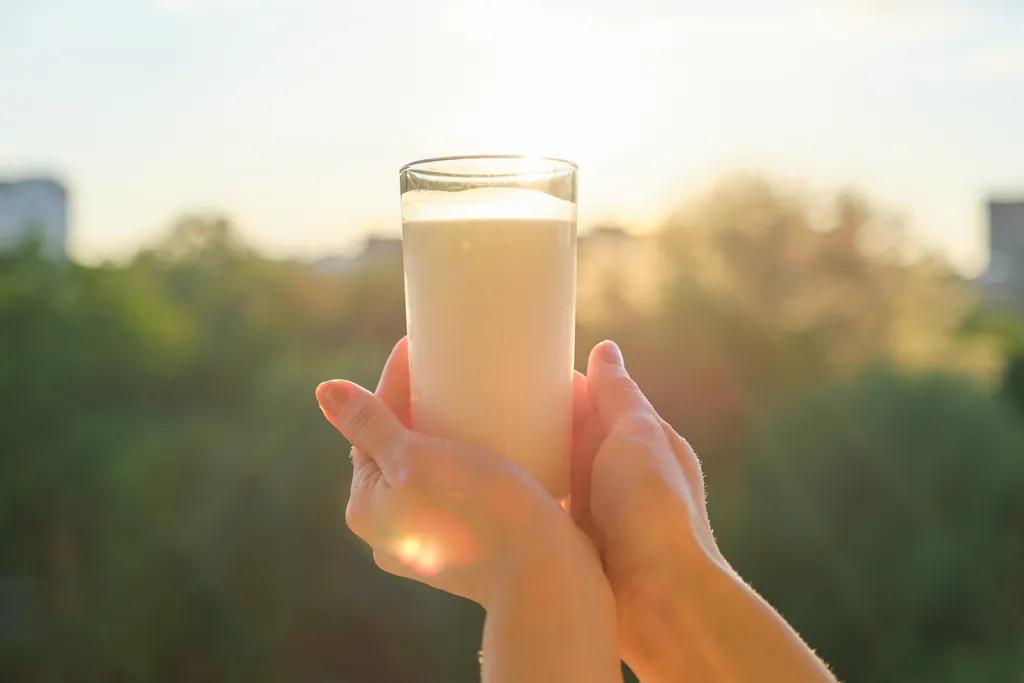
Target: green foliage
(884, 516)
(171, 500)
(1013, 381)
(1004, 326)
(170, 493)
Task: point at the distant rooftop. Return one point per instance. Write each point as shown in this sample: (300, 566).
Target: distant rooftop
(6, 183)
(34, 205)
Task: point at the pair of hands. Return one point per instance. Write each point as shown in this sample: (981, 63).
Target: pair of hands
(467, 521)
(637, 550)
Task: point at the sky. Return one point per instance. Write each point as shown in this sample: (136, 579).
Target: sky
(293, 117)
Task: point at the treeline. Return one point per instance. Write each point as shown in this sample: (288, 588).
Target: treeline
(171, 500)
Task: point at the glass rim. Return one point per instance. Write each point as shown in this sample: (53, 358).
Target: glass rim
(556, 165)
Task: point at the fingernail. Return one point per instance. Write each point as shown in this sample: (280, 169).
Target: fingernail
(331, 396)
(611, 354)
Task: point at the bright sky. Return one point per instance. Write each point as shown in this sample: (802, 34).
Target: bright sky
(294, 116)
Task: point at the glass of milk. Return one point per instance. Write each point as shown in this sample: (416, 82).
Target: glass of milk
(489, 246)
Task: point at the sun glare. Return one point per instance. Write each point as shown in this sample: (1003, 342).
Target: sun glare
(421, 554)
(557, 90)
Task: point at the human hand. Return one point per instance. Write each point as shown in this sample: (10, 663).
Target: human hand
(452, 516)
(638, 491)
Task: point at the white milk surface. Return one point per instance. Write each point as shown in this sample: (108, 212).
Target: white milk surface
(491, 318)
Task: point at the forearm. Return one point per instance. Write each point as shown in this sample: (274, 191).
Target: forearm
(719, 631)
(552, 620)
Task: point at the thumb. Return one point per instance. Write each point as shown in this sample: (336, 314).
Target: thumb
(364, 420)
(612, 391)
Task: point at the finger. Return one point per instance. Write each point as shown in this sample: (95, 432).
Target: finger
(587, 435)
(587, 439)
(358, 458)
(394, 388)
(366, 511)
(363, 419)
(582, 408)
(365, 472)
(690, 463)
(614, 394)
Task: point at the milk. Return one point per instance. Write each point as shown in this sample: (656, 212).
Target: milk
(491, 317)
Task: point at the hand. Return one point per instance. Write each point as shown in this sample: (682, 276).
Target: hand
(475, 524)
(452, 516)
(638, 490)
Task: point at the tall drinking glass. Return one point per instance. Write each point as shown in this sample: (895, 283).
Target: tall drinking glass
(489, 247)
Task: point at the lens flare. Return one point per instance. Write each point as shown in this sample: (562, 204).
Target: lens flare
(419, 553)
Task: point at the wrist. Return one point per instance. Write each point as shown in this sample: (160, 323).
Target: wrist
(550, 612)
(548, 559)
(664, 620)
(713, 627)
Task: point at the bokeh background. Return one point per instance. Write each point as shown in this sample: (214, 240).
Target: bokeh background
(802, 221)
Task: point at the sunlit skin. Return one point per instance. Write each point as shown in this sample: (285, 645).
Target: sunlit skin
(475, 524)
(638, 492)
(422, 556)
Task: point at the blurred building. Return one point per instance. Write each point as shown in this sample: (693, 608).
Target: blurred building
(616, 268)
(376, 251)
(34, 208)
(1004, 278)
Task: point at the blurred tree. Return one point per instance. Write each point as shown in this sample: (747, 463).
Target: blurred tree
(841, 275)
(884, 516)
(85, 352)
(171, 500)
(168, 484)
(1005, 329)
(765, 291)
(1013, 381)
